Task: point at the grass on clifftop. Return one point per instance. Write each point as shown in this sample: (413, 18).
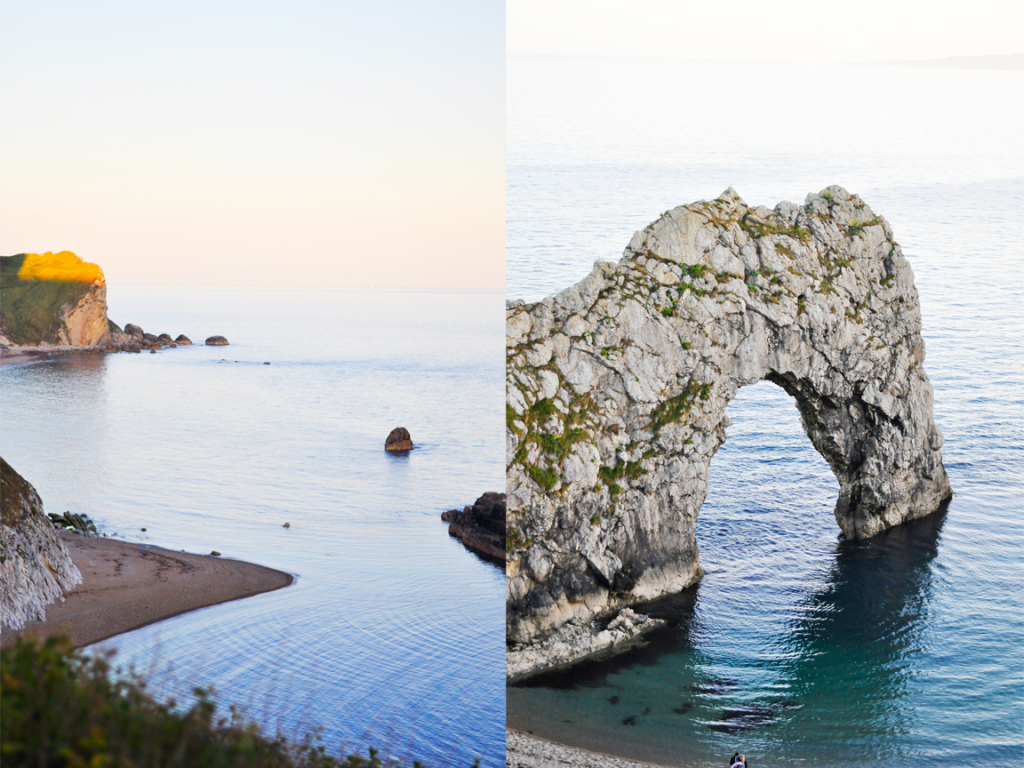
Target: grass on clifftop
(34, 287)
(61, 708)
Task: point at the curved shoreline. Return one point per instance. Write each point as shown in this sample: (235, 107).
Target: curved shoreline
(526, 751)
(126, 586)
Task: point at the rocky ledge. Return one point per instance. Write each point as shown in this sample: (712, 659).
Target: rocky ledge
(617, 391)
(576, 640)
(481, 527)
(35, 567)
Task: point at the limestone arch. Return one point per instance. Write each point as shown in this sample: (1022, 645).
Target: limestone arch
(617, 389)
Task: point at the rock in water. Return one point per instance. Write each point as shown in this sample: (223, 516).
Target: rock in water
(54, 298)
(617, 389)
(133, 330)
(216, 341)
(35, 567)
(183, 339)
(398, 440)
(481, 527)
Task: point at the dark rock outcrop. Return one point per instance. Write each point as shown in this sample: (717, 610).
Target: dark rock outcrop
(183, 340)
(398, 440)
(216, 341)
(617, 391)
(133, 330)
(35, 567)
(480, 527)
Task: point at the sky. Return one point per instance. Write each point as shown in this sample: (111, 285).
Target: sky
(345, 144)
(755, 30)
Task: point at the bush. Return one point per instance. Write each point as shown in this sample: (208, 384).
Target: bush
(62, 709)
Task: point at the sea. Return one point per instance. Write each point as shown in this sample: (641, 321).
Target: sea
(798, 647)
(392, 635)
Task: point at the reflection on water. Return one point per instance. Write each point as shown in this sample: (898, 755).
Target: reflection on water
(836, 675)
(393, 634)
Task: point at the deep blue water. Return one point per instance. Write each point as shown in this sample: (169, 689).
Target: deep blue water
(393, 634)
(799, 648)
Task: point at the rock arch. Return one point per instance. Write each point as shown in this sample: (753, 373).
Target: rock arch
(617, 389)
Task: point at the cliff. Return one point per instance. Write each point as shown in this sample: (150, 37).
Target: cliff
(35, 567)
(54, 298)
(617, 390)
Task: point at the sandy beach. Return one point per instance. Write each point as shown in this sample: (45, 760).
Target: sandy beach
(126, 586)
(22, 356)
(524, 751)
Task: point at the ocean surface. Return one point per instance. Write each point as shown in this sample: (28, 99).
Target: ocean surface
(799, 648)
(393, 634)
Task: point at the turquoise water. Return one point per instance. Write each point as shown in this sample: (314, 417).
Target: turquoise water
(799, 648)
(392, 635)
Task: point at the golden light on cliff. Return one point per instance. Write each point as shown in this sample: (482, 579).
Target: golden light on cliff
(63, 267)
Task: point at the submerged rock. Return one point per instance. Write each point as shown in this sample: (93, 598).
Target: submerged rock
(398, 440)
(35, 566)
(216, 341)
(481, 527)
(617, 390)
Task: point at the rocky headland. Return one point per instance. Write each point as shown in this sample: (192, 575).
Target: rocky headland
(56, 304)
(481, 527)
(35, 566)
(617, 390)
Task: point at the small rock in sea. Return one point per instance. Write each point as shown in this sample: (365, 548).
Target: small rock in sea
(398, 440)
(216, 341)
(152, 351)
(266, 363)
(215, 553)
(143, 529)
(183, 339)
(165, 337)
(287, 525)
(631, 720)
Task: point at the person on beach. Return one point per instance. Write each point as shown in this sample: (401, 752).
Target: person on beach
(738, 761)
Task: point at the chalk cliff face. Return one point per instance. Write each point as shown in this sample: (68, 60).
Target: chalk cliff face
(52, 297)
(35, 567)
(617, 390)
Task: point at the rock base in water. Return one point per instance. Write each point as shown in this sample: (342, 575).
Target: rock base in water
(216, 341)
(576, 640)
(398, 440)
(481, 527)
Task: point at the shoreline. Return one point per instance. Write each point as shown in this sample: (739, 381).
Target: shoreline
(126, 586)
(524, 750)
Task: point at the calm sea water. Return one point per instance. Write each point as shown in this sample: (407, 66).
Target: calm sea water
(393, 635)
(799, 648)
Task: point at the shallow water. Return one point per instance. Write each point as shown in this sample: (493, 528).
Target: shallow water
(797, 647)
(393, 634)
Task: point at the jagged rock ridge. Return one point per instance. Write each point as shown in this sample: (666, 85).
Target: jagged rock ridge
(617, 389)
(35, 567)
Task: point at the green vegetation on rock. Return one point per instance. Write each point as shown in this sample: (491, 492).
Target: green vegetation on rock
(32, 309)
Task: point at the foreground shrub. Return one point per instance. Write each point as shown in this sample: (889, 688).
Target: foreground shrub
(61, 709)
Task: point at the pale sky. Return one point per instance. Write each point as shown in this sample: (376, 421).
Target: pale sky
(349, 144)
(756, 30)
